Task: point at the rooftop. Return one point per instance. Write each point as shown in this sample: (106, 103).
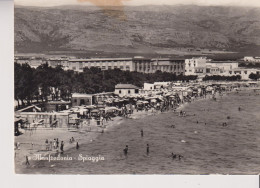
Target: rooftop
(101, 59)
(81, 95)
(125, 86)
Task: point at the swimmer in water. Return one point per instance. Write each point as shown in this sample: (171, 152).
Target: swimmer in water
(174, 156)
(126, 150)
(142, 133)
(147, 149)
(180, 157)
(224, 124)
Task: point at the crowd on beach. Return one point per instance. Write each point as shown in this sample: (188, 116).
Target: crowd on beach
(166, 100)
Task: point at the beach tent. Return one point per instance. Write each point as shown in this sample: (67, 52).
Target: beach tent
(153, 100)
(111, 109)
(94, 111)
(90, 107)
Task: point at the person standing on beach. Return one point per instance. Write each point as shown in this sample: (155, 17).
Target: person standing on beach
(54, 144)
(50, 145)
(57, 142)
(61, 146)
(77, 145)
(47, 145)
(27, 160)
(142, 133)
(147, 149)
(126, 150)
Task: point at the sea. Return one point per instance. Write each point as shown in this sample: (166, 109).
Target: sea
(206, 145)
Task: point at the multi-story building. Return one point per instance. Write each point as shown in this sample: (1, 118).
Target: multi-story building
(195, 66)
(78, 65)
(138, 64)
(243, 72)
(228, 68)
(176, 66)
(58, 61)
(220, 67)
(34, 62)
(252, 59)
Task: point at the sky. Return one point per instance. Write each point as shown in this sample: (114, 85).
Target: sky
(255, 3)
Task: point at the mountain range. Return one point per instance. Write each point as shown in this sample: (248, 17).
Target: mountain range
(137, 29)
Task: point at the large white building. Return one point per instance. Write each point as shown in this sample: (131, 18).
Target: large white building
(229, 68)
(243, 72)
(252, 59)
(202, 66)
(78, 65)
(138, 64)
(195, 66)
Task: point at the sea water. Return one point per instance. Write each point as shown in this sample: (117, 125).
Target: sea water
(206, 145)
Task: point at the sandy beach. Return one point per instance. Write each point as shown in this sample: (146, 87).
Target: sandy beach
(33, 142)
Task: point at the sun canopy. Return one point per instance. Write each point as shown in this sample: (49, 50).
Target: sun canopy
(95, 111)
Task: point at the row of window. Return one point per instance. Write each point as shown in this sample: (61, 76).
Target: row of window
(166, 67)
(129, 91)
(237, 72)
(103, 67)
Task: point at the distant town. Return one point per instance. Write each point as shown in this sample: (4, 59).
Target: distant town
(199, 66)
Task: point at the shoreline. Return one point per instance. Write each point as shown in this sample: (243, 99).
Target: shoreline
(84, 137)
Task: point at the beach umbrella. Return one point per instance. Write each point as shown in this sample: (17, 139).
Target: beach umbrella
(112, 108)
(139, 102)
(90, 107)
(95, 111)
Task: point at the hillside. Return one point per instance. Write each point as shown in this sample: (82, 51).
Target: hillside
(145, 29)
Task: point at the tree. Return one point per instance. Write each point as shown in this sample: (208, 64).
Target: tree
(25, 87)
(253, 76)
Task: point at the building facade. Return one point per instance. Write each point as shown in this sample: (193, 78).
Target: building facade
(138, 64)
(126, 90)
(145, 65)
(243, 72)
(195, 66)
(78, 99)
(252, 59)
(78, 65)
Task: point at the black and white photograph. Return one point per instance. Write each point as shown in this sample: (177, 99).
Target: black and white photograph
(136, 87)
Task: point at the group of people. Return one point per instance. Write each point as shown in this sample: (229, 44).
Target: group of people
(52, 144)
(147, 146)
(176, 156)
(126, 150)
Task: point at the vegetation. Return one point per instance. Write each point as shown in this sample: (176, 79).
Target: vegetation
(254, 76)
(250, 65)
(38, 84)
(224, 78)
